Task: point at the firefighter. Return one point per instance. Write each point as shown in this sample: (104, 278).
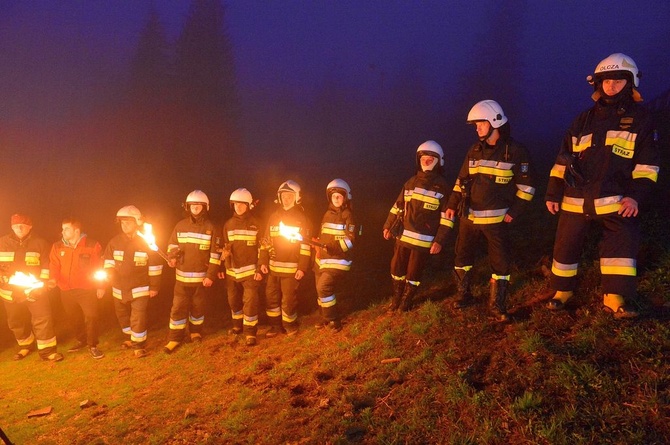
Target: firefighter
(194, 250)
(134, 274)
(419, 224)
(73, 262)
(608, 162)
(494, 186)
(333, 261)
(240, 237)
(28, 308)
(286, 260)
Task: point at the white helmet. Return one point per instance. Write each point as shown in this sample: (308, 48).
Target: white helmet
(242, 195)
(289, 186)
(616, 63)
(488, 110)
(130, 212)
(340, 186)
(433, 148)
(197, 197)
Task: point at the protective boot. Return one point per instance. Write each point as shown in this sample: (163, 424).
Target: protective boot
(498, 298)
(463, 294)
(396, 298)
(408, 297)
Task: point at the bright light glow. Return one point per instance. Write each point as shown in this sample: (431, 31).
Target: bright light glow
(27, 281)
(149, 237)
(100, 275)
(290, 233)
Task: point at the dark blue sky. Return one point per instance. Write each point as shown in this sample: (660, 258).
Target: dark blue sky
(58, 55)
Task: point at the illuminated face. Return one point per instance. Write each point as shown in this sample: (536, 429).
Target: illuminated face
(428, 162)
(240, 207)
(129, 226)
(196, 209)
(612, 87)
(337, 200)
(70, 234)
(21, 230)
(483, 128)
(287, 200)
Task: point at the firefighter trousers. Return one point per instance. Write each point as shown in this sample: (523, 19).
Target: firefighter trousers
(81, 307)
(132, 316)
(281, 296)
(243, 301)
(188, 308)
(497, 238)
(27, 317)
(408, 263)
(328, 283)
(618, 250)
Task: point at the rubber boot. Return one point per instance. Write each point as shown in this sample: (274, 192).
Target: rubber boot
(463, 294)
(396, 298)
(498, 298)
(408, 297)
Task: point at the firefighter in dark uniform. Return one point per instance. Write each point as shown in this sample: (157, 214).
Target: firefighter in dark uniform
(194, 250)
(494, 186)
(333, 261)
(135, 274)
(419, 224)
(28, 308)
(607, 164)
(286, 260)
(242, 271)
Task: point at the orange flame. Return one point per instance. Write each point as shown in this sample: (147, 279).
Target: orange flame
(28, 281)
(290, 233)
(149, 237)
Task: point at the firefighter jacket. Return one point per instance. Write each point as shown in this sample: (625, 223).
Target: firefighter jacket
(73, 266)
(134, 268)
(29, 255)
(338, 232)
(285, 257)
(240, 238)
(608, 153)
(421, 206)
(196, 245)
(494, 182)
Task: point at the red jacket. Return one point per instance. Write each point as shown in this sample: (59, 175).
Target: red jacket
(73, 266)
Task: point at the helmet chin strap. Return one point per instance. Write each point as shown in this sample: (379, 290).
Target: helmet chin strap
(488, 135)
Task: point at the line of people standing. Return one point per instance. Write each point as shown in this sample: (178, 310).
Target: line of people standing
(608, 162)
(200, 252)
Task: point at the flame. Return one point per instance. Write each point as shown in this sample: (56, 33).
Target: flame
(290, 233)
(100, 275)
(25, 280)
(149, 237)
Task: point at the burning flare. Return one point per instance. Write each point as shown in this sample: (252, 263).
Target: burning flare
(290, 233)
(27, 281)
(150, 239)
(100, 275)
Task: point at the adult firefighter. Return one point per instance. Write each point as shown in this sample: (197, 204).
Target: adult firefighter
(419, 224)
(73, 262)
(607, 164)
(240, 238)
(333, 261)
(134, 273)
(28, 308)
(286, 260)
(194, 250)
(493, 188)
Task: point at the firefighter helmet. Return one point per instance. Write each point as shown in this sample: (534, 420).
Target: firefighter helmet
(197, 197)
(338, 186)
(432, 148)
(613, 65)
(488, 110)
(242, 195)
(291, 187)
(130, 212)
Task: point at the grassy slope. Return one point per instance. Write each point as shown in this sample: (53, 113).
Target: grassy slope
(573, 377)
